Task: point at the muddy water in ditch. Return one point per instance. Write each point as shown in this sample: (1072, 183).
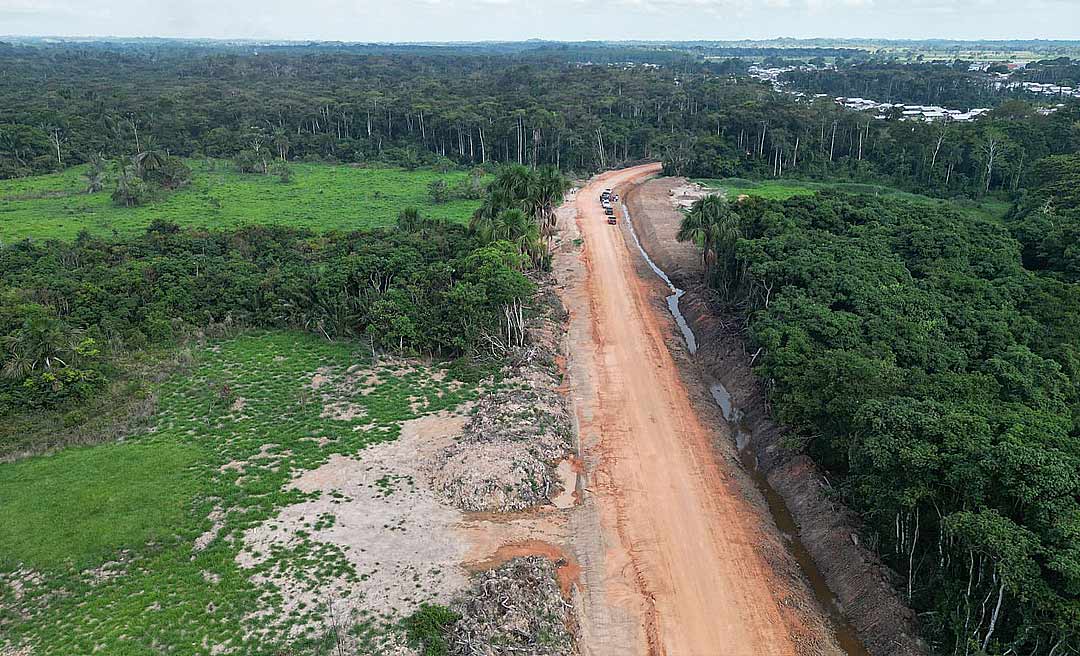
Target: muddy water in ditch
(844, 632)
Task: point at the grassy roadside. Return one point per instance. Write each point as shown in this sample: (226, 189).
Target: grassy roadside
(319, 196)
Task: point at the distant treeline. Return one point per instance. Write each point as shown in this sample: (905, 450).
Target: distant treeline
(773, 136)
(914, 84)
(68, 104)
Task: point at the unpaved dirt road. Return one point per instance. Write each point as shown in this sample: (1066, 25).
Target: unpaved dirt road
(681, 570)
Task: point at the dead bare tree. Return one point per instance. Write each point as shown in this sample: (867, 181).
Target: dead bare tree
(937, 150)
(991, 149)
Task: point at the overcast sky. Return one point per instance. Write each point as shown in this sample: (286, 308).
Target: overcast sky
(467, 20)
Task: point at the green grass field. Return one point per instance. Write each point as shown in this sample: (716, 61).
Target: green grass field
(320, 196)
(97, 544)
(991, 209)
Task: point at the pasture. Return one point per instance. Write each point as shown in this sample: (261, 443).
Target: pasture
(144, 546)
(319, 196)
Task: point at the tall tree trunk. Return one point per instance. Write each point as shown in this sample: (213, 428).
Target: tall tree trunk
(994, 617)
(832, 146)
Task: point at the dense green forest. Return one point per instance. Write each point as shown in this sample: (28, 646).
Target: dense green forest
(432, 290)
(930, 362)
(74, 104)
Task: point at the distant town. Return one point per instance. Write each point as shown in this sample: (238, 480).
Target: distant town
(902, 111)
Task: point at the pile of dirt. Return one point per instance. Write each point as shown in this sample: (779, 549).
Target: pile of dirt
(516, 608)
(504, 461)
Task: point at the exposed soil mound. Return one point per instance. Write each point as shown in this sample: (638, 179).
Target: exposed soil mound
(504, 461)
(516, 608)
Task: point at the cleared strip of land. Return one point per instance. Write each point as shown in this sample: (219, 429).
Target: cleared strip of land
(683, 548)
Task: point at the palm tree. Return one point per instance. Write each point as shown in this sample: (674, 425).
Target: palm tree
(520, 207)
(409, 220)
(531, 244)
(149, 159)
(518, 184)
(712, 223)
(482, 222)
(517, 227)
(41, 343)
(511, 224)
(547, 193)
(126, 183)
(95, 176)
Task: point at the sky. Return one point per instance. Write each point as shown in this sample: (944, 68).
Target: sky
(567, 20)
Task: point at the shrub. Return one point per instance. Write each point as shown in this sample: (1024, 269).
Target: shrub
(171, 174)
(439, 190)
(427, 627)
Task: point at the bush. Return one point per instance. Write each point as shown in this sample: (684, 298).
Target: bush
(248, 161)
(427, 628)
(439, 190)
(471, 188)
(468, 371)
(172, 173)
(131, 192)
(283, 172)
(53, 387)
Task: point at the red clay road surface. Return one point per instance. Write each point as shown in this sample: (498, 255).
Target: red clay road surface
(681, 552)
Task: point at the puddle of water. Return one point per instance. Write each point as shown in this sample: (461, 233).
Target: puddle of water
(844, 632)
(733, 415)
(676, 293)
(567, 476)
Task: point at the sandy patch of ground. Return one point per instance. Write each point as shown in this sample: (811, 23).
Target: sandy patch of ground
(217, 521)
(396, 533)
(320, 378)
(566, 472)
(396, 512)
(343, 411)
(684, 193)
(406, 543)
(19, 580)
